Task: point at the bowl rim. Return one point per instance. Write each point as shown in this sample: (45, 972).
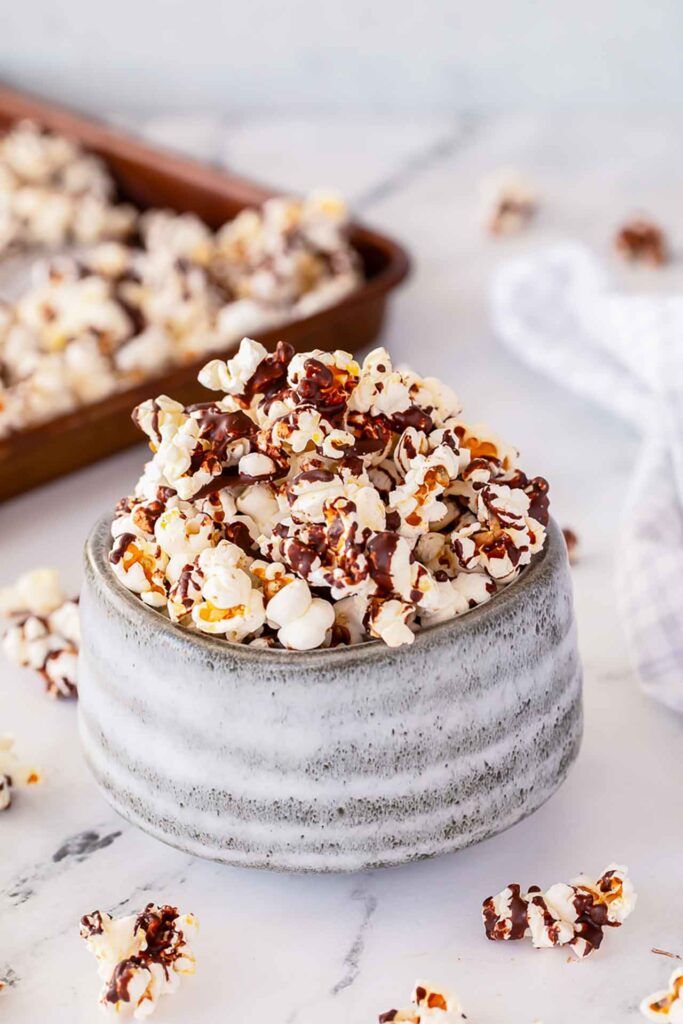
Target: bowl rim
(97, 565)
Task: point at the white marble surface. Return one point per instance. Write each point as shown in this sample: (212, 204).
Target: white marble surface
(303, 950)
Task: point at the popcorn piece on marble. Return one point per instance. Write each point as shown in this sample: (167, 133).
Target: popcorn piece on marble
(666, 1005)
(642, 241)
(573, 914)
(42, 630)
(572, 541)
(141, 957)
(430, 1005)
(14, 774)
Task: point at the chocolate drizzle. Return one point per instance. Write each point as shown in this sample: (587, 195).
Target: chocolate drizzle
(119, 547)
(270, 375)
(381, 550)
(537, 490)
(118, 987)
(220, 429)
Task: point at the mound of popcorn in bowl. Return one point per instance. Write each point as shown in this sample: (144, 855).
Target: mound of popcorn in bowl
(316, 502)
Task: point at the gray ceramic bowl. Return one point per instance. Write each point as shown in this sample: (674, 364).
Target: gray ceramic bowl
(331, 760)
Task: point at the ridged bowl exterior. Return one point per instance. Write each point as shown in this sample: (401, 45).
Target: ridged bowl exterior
(334, 760)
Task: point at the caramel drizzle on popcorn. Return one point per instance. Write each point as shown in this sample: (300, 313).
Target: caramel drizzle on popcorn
(349, 492)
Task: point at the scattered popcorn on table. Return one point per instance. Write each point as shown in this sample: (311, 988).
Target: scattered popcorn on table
(642, 241)
(141, 957)
(52, 192)
(43, 629)
(666, 1005)
(13, 773)
(314, 502)
(430, 1006)
(508, 203)
(566, 915)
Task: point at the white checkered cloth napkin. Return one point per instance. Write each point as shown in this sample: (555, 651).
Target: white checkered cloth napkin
(556, 311)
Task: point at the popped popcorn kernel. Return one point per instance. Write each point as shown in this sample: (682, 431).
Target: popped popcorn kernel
(573, 914)
(141, 957)
(42, 630)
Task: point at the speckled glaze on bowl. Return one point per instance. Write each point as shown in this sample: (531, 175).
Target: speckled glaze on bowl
(331, 760)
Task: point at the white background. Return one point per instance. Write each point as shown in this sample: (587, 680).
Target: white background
(407, 55)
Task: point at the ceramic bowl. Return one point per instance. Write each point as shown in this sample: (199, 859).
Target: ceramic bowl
(333, 760)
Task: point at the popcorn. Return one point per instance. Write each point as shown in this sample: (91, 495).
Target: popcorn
(315, 502)
(572, 541)
(227, 602)
(38, 591)
(642, 241)
(113, 315)
(431, 1005)
(573, 914)
(666, 1005)
(13, 773)
(507, 203)
(140, 957)
(43, 630)
(140, 565)
(52, 193)
(302, 620)
(290, 254)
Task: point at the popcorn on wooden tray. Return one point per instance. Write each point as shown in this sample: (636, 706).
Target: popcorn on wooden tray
(104, 315)
(315, 502)
(508, 202)
(52, 192)
(573, 915)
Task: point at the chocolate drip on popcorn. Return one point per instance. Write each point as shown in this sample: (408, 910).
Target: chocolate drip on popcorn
(575, 914)
(666, 1005)
(271, 373)
(357, 487)
(141, 957)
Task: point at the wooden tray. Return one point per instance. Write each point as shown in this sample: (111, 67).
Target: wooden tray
(148, 176)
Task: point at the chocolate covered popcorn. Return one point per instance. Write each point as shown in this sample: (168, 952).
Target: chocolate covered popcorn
(109, 316)
(14, 774)
(571, 915)
(141, 957)
(52, 192)
(642, 241)
(667, 1005)
(430, 1005)
(508, 202)
(314, 502)
(42, 629)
